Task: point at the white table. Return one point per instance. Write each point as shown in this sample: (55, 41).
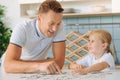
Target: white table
(115, 75)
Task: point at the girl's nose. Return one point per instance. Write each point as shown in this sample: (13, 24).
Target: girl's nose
(88, 45)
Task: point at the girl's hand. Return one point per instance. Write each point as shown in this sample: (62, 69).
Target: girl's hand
(82, 71)
(76, 68)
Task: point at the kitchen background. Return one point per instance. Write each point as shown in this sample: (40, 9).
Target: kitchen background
(85, 16)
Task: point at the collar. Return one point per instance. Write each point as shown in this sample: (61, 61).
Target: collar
(38, 30)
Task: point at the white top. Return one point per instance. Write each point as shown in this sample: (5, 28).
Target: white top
(34, 44)
(90, 60)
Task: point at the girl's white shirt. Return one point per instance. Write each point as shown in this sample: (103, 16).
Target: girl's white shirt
(90, 60)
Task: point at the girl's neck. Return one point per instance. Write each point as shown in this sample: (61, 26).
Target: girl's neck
(99, 55)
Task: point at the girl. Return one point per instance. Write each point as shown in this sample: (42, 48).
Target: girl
(99, 58)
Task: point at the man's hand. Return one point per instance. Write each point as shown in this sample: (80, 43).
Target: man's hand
(49, 67)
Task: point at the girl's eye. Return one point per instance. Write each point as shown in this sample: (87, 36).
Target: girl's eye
(91, 41)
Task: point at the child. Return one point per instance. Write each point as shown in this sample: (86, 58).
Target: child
(100, 57)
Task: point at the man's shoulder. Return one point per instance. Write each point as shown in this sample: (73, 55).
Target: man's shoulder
(29, 22)
(26, 24)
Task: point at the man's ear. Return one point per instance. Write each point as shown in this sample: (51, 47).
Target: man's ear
(38, 17)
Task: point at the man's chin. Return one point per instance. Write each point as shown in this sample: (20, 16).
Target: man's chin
(49, 36)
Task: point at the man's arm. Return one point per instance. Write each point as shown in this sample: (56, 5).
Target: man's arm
(13, 63)
(59, 52)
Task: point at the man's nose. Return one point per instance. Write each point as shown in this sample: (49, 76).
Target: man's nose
(54, 28)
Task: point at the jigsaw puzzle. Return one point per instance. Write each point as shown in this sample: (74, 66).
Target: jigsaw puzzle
(67, 75)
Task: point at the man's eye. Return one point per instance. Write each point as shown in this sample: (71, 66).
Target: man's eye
(58, 24)
(51, 24)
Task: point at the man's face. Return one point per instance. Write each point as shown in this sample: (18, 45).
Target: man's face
(49, 22)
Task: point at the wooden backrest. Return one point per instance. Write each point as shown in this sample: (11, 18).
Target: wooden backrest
(76, 47)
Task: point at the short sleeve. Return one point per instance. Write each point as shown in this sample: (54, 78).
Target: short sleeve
(60, 35)
(109, 59)
(18, 36)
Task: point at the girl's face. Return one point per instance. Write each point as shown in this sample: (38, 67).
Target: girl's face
(95, 45)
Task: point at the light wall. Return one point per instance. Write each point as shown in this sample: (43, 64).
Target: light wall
(12, 12)
(13, 9)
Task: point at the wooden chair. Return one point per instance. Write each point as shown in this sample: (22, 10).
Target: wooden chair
(76, 47)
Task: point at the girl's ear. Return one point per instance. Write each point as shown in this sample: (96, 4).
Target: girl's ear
(105, 46)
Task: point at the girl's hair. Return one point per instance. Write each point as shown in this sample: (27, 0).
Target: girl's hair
(104, 36)
(50, 5)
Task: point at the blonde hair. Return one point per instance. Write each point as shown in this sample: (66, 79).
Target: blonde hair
(104, 36)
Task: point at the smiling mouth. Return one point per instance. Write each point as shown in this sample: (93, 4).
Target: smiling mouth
(51, 32)
(89, 48)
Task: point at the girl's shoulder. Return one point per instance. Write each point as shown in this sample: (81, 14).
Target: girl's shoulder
(107, 56)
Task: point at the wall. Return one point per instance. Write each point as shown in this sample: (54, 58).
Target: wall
(87, 6)
(12, 12)
(109, 23)
(13, 9)
(116, 5)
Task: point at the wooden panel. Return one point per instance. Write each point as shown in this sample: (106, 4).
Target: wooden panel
(76, 47)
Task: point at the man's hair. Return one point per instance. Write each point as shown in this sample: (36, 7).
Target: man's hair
(50, 5)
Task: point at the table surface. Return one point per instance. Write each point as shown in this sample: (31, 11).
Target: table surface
(114, 75)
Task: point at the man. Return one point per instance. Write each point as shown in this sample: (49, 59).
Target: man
(30, 42)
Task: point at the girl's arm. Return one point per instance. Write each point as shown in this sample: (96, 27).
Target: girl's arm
(72, 65)
(94, 68)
